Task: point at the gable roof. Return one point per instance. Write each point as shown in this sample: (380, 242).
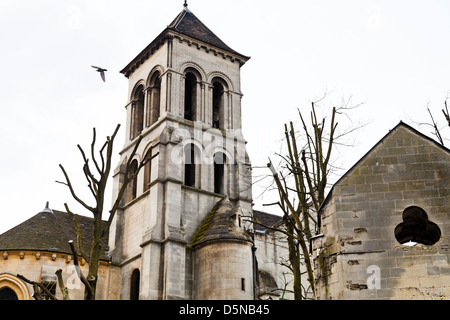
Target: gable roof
(392, 131)
(188, 25)
(49, 230)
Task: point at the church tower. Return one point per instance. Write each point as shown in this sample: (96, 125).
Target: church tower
(185, 101)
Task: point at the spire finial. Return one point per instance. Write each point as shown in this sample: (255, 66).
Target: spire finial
(47, 208)
(185, 4)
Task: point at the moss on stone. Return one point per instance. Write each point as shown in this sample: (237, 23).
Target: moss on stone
(198, 237)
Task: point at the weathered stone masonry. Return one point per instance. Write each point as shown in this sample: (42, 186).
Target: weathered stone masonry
(357, 255)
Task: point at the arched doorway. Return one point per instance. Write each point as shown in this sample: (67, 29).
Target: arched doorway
(134, 285)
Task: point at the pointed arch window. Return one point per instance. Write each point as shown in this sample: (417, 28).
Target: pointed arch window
(190, 96)
(137, 113)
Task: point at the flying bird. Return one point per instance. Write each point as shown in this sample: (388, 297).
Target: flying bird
(102, 72)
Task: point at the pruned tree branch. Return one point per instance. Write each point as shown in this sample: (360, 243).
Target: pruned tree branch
(306, 165)
(79, 273)
(38, 289)
(72, 191)
(445, 112)
(437, 132)
(79, 235)
(97, 180)
(62, 287)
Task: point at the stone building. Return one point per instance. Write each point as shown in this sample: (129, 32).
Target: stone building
(385, 227)
(183, 229)
(39, 246)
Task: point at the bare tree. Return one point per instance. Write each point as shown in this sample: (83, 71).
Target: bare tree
(97, 185)
(301, 184)
(96, 171)
(446, 114)
(437, 129)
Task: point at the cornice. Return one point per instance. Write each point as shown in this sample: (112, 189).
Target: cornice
(169, 36)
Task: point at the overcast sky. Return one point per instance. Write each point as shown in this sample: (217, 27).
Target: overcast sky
(392, 55)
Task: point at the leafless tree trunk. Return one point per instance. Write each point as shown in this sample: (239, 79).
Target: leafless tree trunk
(301, 185)
(97, 186)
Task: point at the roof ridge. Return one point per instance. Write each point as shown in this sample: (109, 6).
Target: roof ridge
(174, 24)
(361, 159)
(203, 33)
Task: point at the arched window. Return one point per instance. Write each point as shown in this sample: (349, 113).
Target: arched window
(147, 170)
(134, 285)
(7, 293)
(189, 165)
(132, 186)
(153, 107)
(190, 96)
(137, 113)
(219, 173)
(12, 288)
(218, 105)
(416, 228)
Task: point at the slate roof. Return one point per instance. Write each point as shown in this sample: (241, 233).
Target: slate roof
(266, 219)
(219, 224)
(188, 25)
(49, 230)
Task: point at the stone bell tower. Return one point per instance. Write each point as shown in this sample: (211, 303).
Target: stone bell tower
(185, 101)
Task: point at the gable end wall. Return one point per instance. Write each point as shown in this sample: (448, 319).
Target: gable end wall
(358, 257)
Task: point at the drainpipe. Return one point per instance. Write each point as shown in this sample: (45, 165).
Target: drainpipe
(254, 268)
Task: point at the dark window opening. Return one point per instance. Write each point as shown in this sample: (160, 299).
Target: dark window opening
(416, 228)
(134, 285)
(219, 172)
(218, 102)
(155, 99)
(243, 284)
(132, 185)
(137, 113)
(189, 165)
(8, 294)
(147, 170)
(190, 96)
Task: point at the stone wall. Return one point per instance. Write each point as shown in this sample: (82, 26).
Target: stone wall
(358, 255)
(272, 254)
(224, 271)
(40, 266)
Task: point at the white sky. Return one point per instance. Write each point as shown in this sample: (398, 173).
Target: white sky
(392, 55)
